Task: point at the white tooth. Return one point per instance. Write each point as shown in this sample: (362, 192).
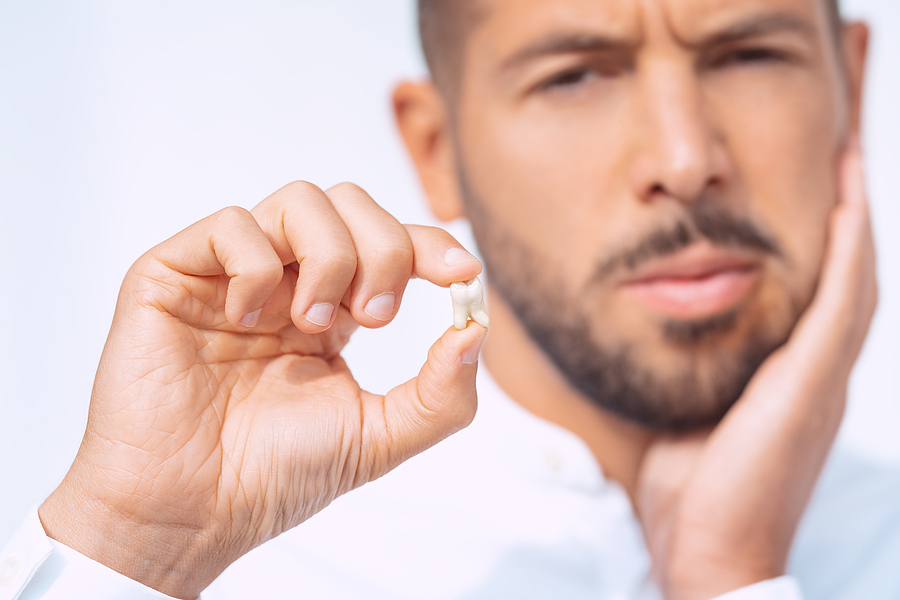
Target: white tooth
(468, 303)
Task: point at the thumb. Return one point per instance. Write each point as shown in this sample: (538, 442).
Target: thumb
(438, 402)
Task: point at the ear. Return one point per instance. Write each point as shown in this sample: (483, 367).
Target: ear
(856, 48)
(424, 124)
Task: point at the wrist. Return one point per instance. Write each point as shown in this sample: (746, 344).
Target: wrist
(174, 560)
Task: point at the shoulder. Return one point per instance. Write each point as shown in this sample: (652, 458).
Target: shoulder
(848, 544)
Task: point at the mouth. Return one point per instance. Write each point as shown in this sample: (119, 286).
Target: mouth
(698, 282)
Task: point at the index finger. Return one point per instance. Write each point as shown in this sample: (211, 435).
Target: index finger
(439, 257)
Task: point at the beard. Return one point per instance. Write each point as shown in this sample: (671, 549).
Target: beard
(706, 379)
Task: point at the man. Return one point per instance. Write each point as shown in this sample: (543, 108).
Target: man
(668, 196)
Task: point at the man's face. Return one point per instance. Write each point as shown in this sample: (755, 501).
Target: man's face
(649, 182)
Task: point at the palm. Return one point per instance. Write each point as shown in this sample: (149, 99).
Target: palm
(247, 415)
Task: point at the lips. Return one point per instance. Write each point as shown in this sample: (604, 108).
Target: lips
(699, 282)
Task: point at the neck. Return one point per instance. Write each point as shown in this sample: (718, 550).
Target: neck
(524, 372)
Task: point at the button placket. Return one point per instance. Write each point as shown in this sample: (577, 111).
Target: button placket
(553, 460)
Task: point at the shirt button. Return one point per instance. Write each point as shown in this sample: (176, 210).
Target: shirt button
(553, 460)
(9, 570)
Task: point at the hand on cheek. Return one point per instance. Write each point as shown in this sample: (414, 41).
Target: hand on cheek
(720, 509)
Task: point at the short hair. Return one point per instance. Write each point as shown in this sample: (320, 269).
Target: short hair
(443, 30)
(444, 27)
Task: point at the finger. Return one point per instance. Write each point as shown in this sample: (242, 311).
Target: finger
(439, 258)
(438, 402)
(384, 255)
(852, 174)
(813, 367)
(229, 242)
(303, 226)
(839, 316)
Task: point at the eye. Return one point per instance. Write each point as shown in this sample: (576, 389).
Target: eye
(751, 57)
(568, 79)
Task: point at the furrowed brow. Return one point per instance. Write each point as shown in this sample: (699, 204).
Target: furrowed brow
(563, 44)
(760, 26)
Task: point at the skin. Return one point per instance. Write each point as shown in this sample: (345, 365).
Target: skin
(636, 136)
(214, 427)
(641, 131)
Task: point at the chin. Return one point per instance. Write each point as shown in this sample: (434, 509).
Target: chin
(692, 371)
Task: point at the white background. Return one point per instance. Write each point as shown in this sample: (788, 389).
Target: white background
(123, 122)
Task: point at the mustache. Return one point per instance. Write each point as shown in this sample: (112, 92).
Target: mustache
(702, 223)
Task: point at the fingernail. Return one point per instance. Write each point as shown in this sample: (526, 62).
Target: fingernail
(251, 319)
(470, 354)
(381, 307)
(320, 314)
(456, 256)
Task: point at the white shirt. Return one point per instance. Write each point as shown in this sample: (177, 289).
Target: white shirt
(511, 507)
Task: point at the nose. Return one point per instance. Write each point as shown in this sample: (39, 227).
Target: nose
(678, 154)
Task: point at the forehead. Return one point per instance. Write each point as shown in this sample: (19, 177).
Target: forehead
(506, 24)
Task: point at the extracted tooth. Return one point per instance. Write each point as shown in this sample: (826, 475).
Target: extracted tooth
(468, 302)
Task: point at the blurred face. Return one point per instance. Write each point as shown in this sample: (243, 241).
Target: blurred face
(649, 182)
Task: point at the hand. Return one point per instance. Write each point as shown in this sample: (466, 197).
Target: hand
(222, 413)
(720, 509)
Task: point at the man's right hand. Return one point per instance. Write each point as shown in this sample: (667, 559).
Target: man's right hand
(222, 413)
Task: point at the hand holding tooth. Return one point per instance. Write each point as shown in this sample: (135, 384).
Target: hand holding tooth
(223, 413)
(468, 302)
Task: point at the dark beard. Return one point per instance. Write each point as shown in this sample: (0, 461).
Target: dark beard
(614, 378)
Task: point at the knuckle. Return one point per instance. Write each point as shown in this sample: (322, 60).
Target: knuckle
(347, 188)
(331, 264)
(344, 262)
(302, 189)
(266, 274)
(233, 215)
(395, 254)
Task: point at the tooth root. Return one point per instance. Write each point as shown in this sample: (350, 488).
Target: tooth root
(468, 302)
(481, 318)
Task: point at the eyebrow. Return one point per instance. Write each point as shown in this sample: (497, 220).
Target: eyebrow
(564, 43)
(760, 26)
(570, 43)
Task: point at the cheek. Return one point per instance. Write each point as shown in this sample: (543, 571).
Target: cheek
(785, 162)
(549, 180)
(783, 130)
